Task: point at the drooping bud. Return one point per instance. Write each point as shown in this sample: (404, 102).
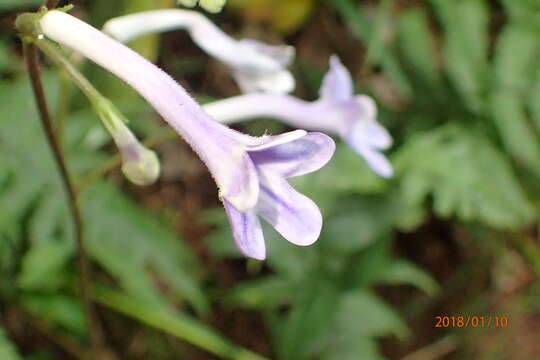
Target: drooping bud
(139, 164)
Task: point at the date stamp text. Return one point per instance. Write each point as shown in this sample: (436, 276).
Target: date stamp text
(471, 321)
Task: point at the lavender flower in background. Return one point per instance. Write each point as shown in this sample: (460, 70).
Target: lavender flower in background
(213, 6)
(338, 111)
(256, 67)
(250, 172)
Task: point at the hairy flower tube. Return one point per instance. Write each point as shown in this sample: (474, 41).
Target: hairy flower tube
(256, 67)
(338, 111)
(250, 172)
(213, 6)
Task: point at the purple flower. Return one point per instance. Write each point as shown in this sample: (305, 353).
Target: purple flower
(256, 67)
(250, 172)
(293, 215)
(338, 111)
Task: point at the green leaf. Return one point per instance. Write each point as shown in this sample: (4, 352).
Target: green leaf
(265, 293)
(133, 246)
(43, 265)
(61, 310)
(136, 247)
(416, 44)
(466, 41)
(371, 33)
(7, 349)
(308, 320)
(401, 272)
(18, 4)
(358, 222)
(466, 175)
(509, 115)
(361, 317)
(517, 47)
(515, 53)
(174, 323)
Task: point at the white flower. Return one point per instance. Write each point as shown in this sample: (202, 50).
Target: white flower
(256, 67)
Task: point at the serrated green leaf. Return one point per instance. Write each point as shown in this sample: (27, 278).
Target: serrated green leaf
(467, 176)
(415, 43)
(511, 120)
(466, 42)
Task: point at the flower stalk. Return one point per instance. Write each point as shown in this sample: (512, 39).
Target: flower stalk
(140, 165)
(33, 68)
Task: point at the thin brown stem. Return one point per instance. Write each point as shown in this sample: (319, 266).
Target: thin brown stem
(32, 63)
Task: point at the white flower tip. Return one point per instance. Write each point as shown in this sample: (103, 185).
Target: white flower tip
(114, 29)
(278, 82)
(282, 54)
(140, 165)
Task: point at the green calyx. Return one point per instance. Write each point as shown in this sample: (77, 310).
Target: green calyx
(27, 24)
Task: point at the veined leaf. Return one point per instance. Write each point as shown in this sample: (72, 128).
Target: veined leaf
(466, 175)
(415, 43)
(466, 41)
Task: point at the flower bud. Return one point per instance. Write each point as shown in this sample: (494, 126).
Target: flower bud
(140, 165)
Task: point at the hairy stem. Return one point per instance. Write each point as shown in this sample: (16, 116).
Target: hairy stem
(32, 63)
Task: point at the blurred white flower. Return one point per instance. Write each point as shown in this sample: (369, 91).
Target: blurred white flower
(256, 67)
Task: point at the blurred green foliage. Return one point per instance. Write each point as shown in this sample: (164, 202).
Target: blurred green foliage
(467, 151)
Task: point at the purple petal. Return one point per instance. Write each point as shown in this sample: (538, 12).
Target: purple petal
(237, 179)
(376, 161)
(367, 106)
(337, 83)
(296, 217)
(247, 231)
(294, 158)
(377, 136)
